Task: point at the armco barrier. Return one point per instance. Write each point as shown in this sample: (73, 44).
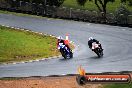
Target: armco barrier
(65, 13)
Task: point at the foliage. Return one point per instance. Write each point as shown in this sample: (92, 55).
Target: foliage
(101, 4)
(45, 2)
(129, 2)
(55, 2)
(122, 10)
(81, 2)
(121, 14)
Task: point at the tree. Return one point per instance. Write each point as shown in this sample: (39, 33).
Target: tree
(103, 4)
(81, 2)
(55, 2)
(129, 2)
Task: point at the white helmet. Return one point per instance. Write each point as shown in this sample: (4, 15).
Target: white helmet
(90, 38)
(59, 37)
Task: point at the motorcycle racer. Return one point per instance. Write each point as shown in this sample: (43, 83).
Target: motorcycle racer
(91, 40)
(62, 42)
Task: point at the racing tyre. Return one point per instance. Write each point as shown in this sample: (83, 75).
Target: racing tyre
(71, 55)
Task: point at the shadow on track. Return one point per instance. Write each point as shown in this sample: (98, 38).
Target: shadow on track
(96, 57)
(63, 59)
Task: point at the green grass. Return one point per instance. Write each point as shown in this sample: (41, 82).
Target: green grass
(17, 45)
(19, 14)
(111, 7)
(117, 86)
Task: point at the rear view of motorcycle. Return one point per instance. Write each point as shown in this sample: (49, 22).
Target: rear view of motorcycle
(97, 49)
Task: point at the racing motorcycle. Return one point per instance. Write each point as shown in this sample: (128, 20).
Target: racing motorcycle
(96, 48)
(65, 51)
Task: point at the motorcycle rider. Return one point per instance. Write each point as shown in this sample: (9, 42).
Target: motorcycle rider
(60, 40)
(91, 40)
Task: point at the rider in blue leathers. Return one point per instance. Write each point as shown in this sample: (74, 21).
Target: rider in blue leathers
(61, 42)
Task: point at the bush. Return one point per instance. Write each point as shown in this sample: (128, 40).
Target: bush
(121, 14)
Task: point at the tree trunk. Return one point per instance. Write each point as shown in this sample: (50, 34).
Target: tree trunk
(104, 8)
(98, 6)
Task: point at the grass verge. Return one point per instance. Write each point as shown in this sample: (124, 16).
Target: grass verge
(118, 85)
(20, 14)
(18, 45)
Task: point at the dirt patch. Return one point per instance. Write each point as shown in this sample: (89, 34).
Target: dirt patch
(45, 82)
